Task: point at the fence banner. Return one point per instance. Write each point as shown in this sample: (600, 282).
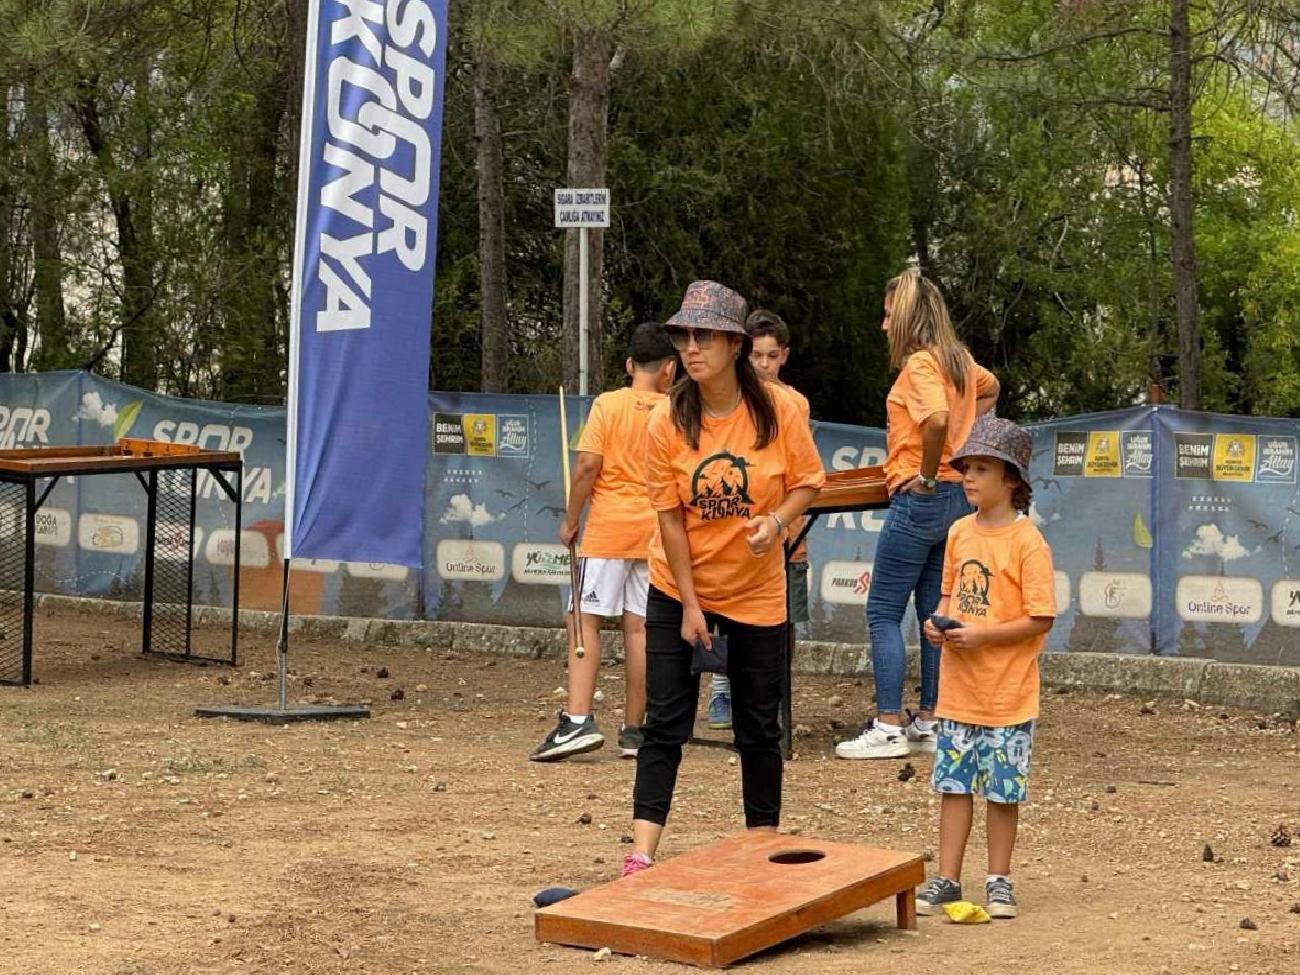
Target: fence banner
(363, 279)
(1172, 532)
(1228, 563)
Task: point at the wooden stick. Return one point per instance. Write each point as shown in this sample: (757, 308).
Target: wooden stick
(575, 585)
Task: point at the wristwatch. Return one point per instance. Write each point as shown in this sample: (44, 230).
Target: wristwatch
(930, 483)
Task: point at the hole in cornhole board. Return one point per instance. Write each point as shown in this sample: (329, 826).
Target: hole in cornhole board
(797, 856)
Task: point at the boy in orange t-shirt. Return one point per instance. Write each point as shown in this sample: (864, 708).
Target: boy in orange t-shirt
(615, 544)
(770, 352)
(998, 604)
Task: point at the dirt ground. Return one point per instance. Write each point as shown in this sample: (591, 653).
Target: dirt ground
(136, 839)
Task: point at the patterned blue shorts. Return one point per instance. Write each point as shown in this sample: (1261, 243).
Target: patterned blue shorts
(993, 762)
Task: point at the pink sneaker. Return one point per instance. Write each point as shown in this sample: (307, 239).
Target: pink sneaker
(635, 863)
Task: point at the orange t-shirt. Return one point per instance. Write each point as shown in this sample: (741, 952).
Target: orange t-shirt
(994, 576)
(921, 390)
(801, 553)
(720, 486)
(620, 521)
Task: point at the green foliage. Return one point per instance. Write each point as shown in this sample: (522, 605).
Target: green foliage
(800, 150)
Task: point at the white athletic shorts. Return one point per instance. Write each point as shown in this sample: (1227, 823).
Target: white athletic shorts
(612, 587)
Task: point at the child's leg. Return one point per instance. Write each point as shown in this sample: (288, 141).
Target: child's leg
(955, 815)
(1003, 818)
(955, 777)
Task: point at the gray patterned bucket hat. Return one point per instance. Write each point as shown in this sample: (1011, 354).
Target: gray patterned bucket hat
(992, 436)
(708, 304)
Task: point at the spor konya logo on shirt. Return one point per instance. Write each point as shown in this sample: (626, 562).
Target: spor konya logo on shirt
(973, 588)
(720, 487)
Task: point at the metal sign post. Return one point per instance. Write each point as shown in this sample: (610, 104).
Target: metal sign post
(582, 209)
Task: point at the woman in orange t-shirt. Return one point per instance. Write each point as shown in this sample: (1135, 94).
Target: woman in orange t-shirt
(939, 392)
(730, 463)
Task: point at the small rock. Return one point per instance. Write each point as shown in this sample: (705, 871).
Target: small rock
(1095, 805)
(110, 775)
(835, 701)
(1111, 790)
(605, 954)
(585, 819)
(598, 697)
(1248, 925)
(93, 927)
(1295, 908)
(223, 680)
(421, 688)
(837, 725)
(802, 731)
(29, 794)
(1083, 879)
(1207, 855)
(1113, 916)
(1281, 836)
(1148, 708)
(488, 835)
(72, 855)
(628, 840)
(1283, 875)
(559, 692)
(381, 673)
(397, 694)
(906, 773)
(401, 726)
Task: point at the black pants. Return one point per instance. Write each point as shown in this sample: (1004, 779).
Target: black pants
(755, 659)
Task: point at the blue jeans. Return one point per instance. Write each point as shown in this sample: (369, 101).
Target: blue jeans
(909, 559)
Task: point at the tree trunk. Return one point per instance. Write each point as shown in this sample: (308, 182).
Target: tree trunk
(54, 346)
(588, 118)
(490, 165)
(134, 218)
(1183, 243)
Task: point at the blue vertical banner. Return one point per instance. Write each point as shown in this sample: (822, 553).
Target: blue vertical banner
(358, 423)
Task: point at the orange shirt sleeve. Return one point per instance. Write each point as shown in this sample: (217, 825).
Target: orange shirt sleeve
(593, 434)
(660, 482)
(926, 392)
(803, 465)
(949, 566)
(1037, 579)
(985, 381)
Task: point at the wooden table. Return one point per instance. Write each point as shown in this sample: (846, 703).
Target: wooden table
(28, 476)
(733, 898)
(860, 489)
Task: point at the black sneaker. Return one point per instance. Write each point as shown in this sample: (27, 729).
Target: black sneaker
(939, 891)
(568, 738)
(630, 740)
(1001, 900)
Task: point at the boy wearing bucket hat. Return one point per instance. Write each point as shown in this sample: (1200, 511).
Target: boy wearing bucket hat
(997, 607)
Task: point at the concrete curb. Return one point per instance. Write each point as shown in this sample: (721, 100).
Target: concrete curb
(1248, 686)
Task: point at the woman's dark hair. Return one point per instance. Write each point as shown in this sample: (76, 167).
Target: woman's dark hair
(688, 410)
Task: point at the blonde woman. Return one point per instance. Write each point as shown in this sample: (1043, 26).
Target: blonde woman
(939, 392)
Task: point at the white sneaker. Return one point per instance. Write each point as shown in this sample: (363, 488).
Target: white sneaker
(919, 740)
(875, 743)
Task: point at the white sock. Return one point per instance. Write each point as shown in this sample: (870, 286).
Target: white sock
(923, 725)
(993, 876)
(579, 718)
(887, 728)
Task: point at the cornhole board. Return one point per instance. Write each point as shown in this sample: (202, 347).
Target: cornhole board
(733, 898)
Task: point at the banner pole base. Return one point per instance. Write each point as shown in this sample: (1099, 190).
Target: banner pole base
(284, 714)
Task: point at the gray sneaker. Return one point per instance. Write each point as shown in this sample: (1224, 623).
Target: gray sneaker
(1000, 898)
(568, 738)
(630, 740)
(939, 891)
